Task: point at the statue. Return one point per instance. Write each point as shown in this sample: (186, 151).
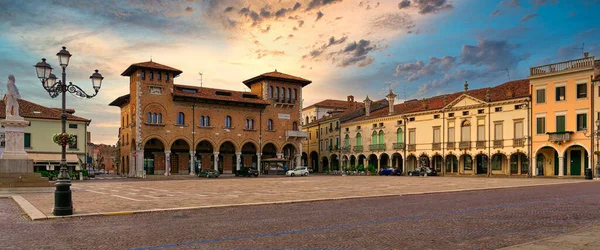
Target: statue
(11, 99)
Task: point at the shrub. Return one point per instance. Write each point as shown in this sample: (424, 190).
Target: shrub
(360, 168)
(325, 169)
(372, 169)
(44, 173)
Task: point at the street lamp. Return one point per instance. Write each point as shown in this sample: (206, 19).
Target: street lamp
(63, 204)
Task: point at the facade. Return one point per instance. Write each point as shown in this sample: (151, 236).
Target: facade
(44, 123)
(564, 109)
(167, 128)
(474, 132)
(324, 108)
(101, 156)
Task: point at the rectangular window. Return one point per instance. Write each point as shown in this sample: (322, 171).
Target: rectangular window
(498, 109)
(450, 114)
(581, 122)
(143, 75)
(480, 111)
(167, 77)
(381, 125)
(399, 122)
(412, 119)
(72, 125)
(540, 125)
(27, 138)
(560, 123)
(465, 133)
(481, 133)
(450, 134)
(560, 93)
(436, 116)
(74, 146)
(582, 90)
(498, 131)
(436, 135)
(412, 137)
(519, 130)
(151, 75)
(540, 96)
(158, 76)
(465, 113)
(357, 127)
(518, 106)
(374, 125)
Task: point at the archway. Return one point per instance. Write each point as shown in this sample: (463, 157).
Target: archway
(289, 154)
(204, 155)
(411, 163)
(549, 167)
(314, 161)
(227, 160)
(362, 160)
(353, 161)
(325, 163)
(499, 161)
(451, 164)
(304, 159)
(248, 158)
(397, 162)
(372, 161)
(424, 161)
(539, 164)
(519, 164)
(335, 162)
(481, 161)
(577, 160)
(154, 157)
(180, 157)
(384, 161)
(269, 150)
(466, 161)
(437, 163)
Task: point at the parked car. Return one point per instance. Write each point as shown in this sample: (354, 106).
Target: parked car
(300, 171)
(310, 170)
(422, 171)
(390, 171)
(208, 173)
(246, 172)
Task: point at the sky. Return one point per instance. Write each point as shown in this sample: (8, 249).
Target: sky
(418, 48)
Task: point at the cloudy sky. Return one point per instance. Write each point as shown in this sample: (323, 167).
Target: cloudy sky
(419, 48)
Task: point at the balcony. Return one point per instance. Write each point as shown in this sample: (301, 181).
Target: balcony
(562, 66)
(398, 145)
(480, 144)
(559, 136)
(295, 134)
(450, 145)
(412, 147)
(436, 146)
(464, 145)
(377, 147)
(498, 143)
(358, 149)
(346, 149)
(520, 142)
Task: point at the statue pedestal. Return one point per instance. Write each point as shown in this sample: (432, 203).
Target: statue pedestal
(14, 129)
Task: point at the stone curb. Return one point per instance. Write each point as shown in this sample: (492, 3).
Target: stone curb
(28, 208)
(38, 215)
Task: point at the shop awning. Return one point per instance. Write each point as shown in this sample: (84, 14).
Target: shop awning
(40, 157)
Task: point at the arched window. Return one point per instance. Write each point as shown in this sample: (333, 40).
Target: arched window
(271, 92)
(180, 118)
(247, 124)
(399, 136)
(381, 139)
(295, 95)
(282, 94)
(207, 121)
(167, 77)
(149, 117)
(154, 118)
(295, 126)
(269, 124)
(374, 138)
(202, 121)
(158, 76)
(251, 123)
(228, 121)
(306, 120)
(277, 93)
(347, 141)
(358, 139)
(159, 118)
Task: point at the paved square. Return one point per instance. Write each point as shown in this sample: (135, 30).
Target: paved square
(127, 195)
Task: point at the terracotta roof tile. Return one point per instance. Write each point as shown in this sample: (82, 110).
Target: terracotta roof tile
(352, 112)
(213, 94)
(29, 109)
(277, 76)
(150, 65)
(330, 103)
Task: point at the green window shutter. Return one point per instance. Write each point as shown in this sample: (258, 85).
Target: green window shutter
(560, 123)
(27, 138)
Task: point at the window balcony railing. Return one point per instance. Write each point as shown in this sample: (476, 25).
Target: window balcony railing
(519, 142)
(480, 144)
(436, 146)
(346, 149)
(464, 145)
(559, 136)
(377, 147)
(561, 66)
(498, 143)
(412, 147)
(450, 145)
(358, 148)
(398, 145)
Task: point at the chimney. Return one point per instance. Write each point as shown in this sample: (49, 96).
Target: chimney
(368, 106)
(466, 86)
(510, 91)
(424, 104)
(350, 98)
(391, 97)
(586, 54)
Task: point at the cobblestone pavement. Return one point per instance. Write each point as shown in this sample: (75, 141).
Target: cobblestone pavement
(117, 196)
(487, 219)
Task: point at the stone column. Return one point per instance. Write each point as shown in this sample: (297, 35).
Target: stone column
(139, 156)
(192, 162)
(536, 171)
(216, 161)
(258, 166)
(561, 166)
(238, 160)
(167, 162)
(299, 160)
(378, 165)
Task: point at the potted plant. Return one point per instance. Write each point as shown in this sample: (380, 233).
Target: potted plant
(64, 139)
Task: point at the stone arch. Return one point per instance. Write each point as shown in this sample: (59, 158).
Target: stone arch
(187, 140)
(235, 145)
(537, 151)
(481, 163)
(573, 144)
(250, 141)
(212, 143)
(334, 160)
(154, 156)
(157, 137)
(271, 142)
(290, 143)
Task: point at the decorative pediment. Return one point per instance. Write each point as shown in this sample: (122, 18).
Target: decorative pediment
(464, 101)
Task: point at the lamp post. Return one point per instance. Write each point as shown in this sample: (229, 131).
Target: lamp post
(63, 204)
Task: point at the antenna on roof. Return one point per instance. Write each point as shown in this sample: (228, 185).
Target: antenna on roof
(507, 73)
(200, 79)
(150, 58)
(582, 45)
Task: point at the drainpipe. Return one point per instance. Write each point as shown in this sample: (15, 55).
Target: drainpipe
(490, 138)
(530, 174)
(592, 122)
(193, 148)
(405, 144)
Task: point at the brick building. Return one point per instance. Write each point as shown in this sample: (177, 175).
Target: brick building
(167, 127)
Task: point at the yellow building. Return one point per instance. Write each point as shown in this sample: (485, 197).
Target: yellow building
(562, 97)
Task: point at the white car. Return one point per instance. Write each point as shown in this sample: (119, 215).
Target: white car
(301, 171)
